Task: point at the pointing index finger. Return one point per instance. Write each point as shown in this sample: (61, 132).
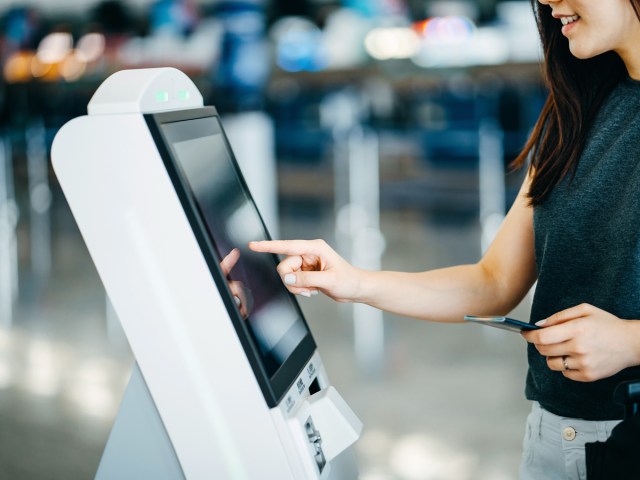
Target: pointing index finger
(284, 247)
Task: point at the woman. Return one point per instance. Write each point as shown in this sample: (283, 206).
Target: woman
(574, 228)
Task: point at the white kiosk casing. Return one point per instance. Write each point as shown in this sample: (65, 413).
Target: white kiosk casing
(226, 413)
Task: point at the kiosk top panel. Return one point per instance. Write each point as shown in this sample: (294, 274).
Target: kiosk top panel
(224, 219)
(144, 90)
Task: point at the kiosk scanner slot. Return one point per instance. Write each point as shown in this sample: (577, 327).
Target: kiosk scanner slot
(228, 382)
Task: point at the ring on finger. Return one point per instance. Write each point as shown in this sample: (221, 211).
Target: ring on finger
(565, 364)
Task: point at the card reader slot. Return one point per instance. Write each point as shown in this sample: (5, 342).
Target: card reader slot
(314, 386)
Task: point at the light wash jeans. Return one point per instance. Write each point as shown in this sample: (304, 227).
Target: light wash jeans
(553, 446)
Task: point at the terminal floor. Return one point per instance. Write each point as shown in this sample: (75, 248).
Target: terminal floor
(443, 402)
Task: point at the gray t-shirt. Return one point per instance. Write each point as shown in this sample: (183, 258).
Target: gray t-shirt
(587, 247)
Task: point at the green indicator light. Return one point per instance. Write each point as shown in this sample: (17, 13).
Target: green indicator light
(183, 94)
(162, 96)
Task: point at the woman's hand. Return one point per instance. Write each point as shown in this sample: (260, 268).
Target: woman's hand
(311, 266)
(586, 343)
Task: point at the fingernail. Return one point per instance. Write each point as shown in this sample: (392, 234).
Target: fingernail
(290, 279)
(314, 292)
(306, 294)
(237, 300)
(541, 322)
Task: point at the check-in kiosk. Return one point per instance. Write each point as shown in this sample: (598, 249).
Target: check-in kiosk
(228, 382)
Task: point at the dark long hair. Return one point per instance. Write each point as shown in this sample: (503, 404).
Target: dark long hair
(577, 90)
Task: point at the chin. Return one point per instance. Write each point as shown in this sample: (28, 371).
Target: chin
(584, 53)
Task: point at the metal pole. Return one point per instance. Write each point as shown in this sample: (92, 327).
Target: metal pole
(13, 214)
(357, 206)
(491, 178)
(8, 243)
(367, 242)
(40, 200)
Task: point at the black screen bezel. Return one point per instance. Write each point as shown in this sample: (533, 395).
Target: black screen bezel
(273, 387)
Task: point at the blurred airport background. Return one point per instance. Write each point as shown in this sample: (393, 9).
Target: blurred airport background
(385, 127)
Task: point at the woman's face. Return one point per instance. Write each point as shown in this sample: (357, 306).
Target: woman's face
(597, 26)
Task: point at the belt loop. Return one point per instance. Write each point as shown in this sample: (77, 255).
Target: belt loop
(609, 426)
(539, 420)
(602, 431)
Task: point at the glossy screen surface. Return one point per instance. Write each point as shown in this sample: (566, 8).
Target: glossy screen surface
(232, 220)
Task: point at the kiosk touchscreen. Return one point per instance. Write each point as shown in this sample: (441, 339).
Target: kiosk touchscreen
(217, 201)
(228, 382)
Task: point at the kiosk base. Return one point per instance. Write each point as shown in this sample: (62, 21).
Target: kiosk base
(138, 446)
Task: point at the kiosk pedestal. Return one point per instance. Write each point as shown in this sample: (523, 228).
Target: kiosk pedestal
(139, 446)
(228, 381)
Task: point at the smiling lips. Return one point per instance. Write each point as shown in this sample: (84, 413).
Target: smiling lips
(568, 20)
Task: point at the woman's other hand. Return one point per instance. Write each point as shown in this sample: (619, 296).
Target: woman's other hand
(586, 343)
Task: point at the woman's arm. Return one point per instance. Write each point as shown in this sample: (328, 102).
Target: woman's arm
(494, 285)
